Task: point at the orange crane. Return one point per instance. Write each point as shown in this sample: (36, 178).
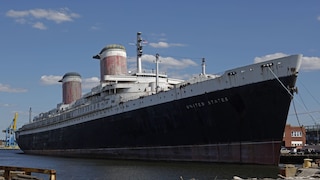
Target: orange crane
(10, 140)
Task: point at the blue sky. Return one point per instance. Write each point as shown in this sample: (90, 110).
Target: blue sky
(41, 40)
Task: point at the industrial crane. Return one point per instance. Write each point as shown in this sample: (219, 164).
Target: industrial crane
(10, 140)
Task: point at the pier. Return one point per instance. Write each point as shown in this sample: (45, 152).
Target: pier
(21, 173)
(298, 158)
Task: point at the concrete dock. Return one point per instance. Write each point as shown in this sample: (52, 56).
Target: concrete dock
(298, 158)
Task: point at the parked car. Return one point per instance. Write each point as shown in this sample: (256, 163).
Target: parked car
(284, 150)
(293, 151)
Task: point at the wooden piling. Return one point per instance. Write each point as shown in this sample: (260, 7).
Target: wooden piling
(27, 171)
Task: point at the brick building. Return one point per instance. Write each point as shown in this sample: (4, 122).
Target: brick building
(294, 136)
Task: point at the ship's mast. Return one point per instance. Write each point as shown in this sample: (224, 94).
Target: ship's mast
(30, 112)
(139, 52)
(203, 66)
(157, 72)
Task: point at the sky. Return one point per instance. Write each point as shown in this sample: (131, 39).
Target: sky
(42, 40)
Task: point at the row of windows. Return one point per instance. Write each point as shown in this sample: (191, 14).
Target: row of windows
(296, 144)
(296, 134)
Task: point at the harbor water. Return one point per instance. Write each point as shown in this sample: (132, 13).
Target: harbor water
(102, 169)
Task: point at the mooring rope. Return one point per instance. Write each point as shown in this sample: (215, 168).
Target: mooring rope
(280, 82)
(292, 97)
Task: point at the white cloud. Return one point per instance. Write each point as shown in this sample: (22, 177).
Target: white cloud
(28, 16)
(21, 21)
(160, 41)
(310, 63)
(95, 28)
(174, 63)
(62, 15)
(307, 64)
(159, 45)
(165, 45)
(318, 18)
(9, 89)
(50, 79)
(39, 25)
(87, 83)
(165, 62)
(169, 62)
(6, 105)
(17, 14)
(269, 57)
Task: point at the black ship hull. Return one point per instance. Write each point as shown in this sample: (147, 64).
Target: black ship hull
(238, 125)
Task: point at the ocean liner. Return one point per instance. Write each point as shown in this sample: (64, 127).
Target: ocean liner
(235, 117)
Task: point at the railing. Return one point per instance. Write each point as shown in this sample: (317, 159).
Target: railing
(25, 172)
